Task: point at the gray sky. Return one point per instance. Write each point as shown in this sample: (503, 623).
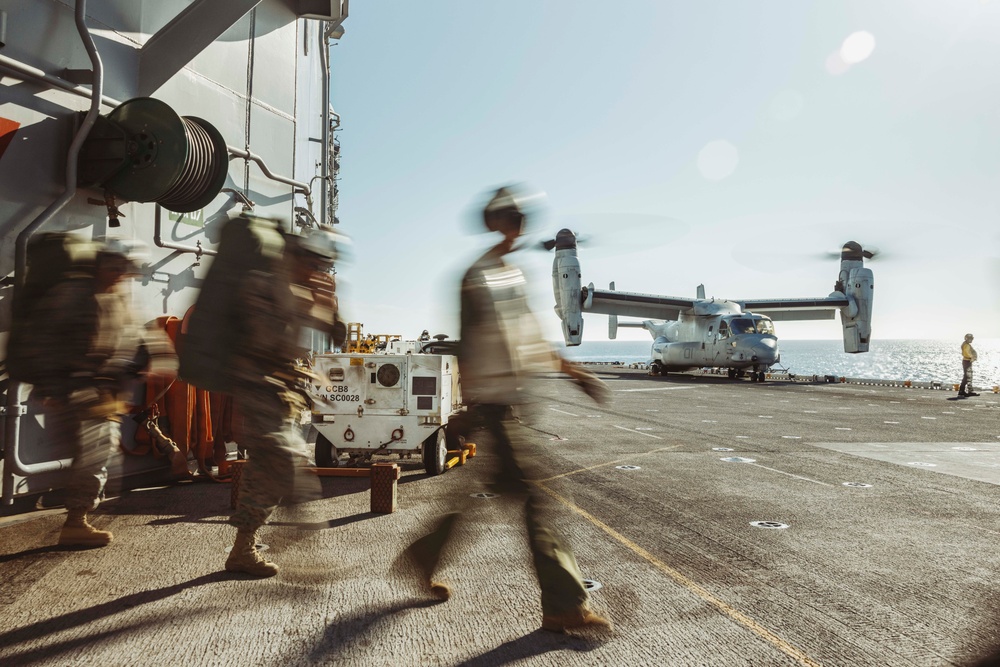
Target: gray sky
(727, 142)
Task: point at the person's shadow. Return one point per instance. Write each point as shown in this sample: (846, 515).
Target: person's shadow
(340, 636)
(81, 617)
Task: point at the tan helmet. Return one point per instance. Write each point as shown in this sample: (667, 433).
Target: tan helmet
(505, 205)
(321, 242)
(968, 337)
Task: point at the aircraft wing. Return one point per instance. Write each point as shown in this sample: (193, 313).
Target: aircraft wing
(797, 309)
(632, 304)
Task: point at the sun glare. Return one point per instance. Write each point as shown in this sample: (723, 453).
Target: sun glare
(857, 47)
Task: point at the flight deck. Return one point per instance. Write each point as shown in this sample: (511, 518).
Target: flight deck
(718, 522)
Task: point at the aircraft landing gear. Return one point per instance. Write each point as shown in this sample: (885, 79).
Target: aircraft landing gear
(757, 376)
(656, 370)
(732, 373)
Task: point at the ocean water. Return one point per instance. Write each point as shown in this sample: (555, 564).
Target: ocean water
(917, 360)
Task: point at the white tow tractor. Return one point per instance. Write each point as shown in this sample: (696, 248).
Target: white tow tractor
(392, 397)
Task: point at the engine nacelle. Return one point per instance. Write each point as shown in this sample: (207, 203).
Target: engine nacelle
(566, 287)
(858, 285)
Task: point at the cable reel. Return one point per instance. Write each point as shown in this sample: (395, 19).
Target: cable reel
(143, 151)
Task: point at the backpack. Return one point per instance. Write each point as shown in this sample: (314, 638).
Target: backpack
(213, 327)
(52, 257)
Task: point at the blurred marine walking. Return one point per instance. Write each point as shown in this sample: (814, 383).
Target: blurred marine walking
(269, 386)
(501, 347)
(79, 344)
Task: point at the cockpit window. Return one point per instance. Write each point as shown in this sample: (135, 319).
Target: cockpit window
(765, 326)
(742, 326)
(723, 329)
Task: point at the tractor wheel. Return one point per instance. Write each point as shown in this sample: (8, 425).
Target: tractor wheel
(326, 454)
(435, 452)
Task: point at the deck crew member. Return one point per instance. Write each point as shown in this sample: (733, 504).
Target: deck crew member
(269, 390)
(501, 346)
(88, 350)
(968, 356)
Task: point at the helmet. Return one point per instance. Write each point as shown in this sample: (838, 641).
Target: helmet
(968, 336)
(507, 203)
(321, 242)
(136, 252)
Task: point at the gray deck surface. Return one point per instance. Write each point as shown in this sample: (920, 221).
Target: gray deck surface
(902, 571)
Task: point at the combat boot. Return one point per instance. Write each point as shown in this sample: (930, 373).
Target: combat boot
(78, 533)
(576, 618)
(244, 557)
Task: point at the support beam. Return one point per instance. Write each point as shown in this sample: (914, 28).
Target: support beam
(334, 11)
(188, 34)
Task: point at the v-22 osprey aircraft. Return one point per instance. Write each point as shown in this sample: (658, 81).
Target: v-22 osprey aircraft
(718, 333)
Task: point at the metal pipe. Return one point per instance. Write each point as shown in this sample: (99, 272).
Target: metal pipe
(54, 81)
(247, 155)
(197, 250)
(324, 54)
(12, 419)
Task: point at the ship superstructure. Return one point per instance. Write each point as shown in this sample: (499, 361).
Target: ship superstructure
(155, 120)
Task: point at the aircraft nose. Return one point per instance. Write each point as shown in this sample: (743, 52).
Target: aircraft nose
(766, 350)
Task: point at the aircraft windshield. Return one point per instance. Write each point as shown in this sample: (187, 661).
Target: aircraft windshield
(745, 325)
(765, 326)
(742, 325)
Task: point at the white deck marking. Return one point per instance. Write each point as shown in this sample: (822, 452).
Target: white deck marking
(564, 412)
(625, 391)
(632, 430)
(782, 472)
(969, 460)
(730, 611)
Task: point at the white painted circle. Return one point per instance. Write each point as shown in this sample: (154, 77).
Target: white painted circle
(628, 467)
(737, 459)
(770, 525)
(591, 585)
(722, 449)
(857, 485)
(485, 495)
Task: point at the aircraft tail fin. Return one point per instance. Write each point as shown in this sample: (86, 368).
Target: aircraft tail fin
(701, 292)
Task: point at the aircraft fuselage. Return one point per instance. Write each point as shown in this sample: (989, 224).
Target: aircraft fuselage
(734, 340)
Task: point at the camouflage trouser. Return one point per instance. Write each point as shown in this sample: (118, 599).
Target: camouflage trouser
(558, 574)
(90, 443)
(276, 452)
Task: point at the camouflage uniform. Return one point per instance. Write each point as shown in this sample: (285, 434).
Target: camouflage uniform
(269, 399)
(88, 346)
(501, 346)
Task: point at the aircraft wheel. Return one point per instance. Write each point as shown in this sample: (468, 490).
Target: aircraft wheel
(762, 376)
(732, 373)
(435, 452)
(741, 373)
(326, 454)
